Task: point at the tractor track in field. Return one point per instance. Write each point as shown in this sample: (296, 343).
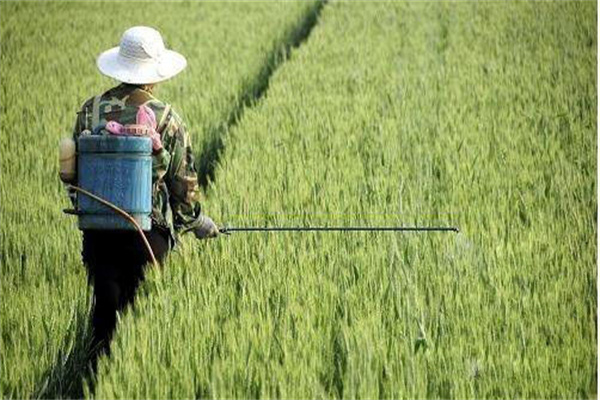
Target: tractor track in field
(210, 154)
(71, 376)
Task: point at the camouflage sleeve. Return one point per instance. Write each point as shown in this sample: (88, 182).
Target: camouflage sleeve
(79, 126)
(160, 164)
(181, 177)
(82, 120)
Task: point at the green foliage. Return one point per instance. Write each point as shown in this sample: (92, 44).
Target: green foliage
(481, 115)
(47, 67)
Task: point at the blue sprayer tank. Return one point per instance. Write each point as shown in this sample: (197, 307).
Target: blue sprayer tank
(117, 169)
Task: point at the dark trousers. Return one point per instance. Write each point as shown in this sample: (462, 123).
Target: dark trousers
(116, 261)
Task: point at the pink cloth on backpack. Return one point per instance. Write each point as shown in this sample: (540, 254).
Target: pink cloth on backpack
(114, 127)
(145, 117)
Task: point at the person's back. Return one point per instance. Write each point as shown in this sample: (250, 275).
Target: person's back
(121, 104)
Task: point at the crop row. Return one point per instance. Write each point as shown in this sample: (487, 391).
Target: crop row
(475, 114)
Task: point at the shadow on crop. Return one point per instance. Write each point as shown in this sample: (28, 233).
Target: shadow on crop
(252, 92)
(73, 374)
(336, 354)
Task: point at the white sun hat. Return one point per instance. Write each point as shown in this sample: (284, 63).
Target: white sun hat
(141, 58)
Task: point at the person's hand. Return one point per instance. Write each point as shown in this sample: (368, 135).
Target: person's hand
(207, 229)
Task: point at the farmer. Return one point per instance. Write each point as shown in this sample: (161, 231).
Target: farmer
(115, 259)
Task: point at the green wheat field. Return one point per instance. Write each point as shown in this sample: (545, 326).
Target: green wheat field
(480, 115)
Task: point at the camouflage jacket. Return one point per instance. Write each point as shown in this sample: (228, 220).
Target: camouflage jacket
(175, 192)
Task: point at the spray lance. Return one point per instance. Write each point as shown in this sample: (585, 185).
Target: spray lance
(229, 230)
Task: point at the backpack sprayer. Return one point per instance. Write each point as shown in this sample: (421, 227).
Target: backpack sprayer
(114, 175)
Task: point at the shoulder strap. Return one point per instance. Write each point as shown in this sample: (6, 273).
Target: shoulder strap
(163, 120)
(95, 112)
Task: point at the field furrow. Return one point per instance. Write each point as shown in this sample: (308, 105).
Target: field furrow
(47, 67)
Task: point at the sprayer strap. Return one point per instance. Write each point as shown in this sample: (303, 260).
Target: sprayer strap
(163, 119)
(96, 112)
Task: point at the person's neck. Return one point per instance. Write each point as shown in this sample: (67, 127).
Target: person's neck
(146, 88)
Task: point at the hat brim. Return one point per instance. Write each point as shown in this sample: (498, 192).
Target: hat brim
(111, 64)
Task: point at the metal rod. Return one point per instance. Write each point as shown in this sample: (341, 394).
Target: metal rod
(340, 229)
